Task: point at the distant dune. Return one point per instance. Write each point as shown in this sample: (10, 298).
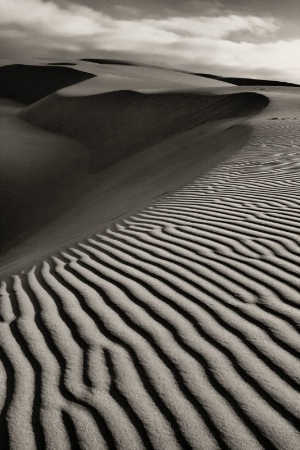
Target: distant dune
(61, 64)
(150, 261)
(247, 81)
(28, 84)
(110, 61)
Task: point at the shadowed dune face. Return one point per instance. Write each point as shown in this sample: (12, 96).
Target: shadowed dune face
(40, 176)
(44, 174)
(255, 82)
(28, 84)
(112, 77)
(118, 124)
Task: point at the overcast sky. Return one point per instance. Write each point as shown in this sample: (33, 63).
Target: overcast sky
(253, 38)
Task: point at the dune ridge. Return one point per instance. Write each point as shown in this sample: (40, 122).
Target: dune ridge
(179, 326)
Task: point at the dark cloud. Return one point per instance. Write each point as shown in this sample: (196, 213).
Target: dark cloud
(181, 8)
(151, 9)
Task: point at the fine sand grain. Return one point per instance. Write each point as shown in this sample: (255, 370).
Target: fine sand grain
(178, 326)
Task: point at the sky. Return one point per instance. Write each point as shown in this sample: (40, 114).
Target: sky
(242, 38)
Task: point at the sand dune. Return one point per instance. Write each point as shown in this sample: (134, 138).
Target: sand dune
(109, 61)
(118, 124)
(41, 176)
(27, 83)
(61, 64)
(178, 327)
(142, 78)
(126, 138)
(248, 81)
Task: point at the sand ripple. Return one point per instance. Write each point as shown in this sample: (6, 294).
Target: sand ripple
(177, 328)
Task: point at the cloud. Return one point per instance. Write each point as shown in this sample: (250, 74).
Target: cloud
(76, 20)
(50, 18)
(194, 43)
(128, 9)
(216, 27)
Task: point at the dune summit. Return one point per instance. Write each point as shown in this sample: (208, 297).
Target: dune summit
(150, 293)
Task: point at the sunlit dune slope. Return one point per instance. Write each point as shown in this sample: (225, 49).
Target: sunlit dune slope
(115, 76)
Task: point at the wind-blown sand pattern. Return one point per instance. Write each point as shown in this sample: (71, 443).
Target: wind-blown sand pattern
(177, 327)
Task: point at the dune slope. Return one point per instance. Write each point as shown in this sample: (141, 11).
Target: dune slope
(40, 177)
(134, 147)
(118, 124)
(109, 61)
(114, 76)
(178, 328)
(247, 81)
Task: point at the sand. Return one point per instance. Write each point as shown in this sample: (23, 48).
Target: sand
(176, 324)
(26, 83)
(247, 81)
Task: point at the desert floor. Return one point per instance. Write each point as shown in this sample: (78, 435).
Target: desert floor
(175, 326)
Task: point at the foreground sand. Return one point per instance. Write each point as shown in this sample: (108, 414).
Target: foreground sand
(176, 328)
